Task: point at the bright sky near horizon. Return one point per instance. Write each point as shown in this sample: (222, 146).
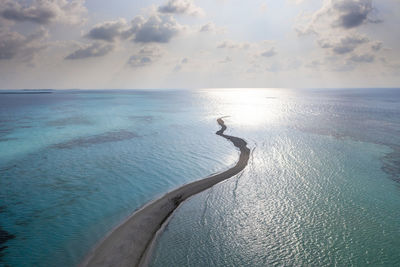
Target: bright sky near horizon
(99, 44)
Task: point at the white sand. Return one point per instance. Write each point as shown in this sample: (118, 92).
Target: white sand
(128, 244)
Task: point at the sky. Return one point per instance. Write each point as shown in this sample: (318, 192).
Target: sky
(102, 44)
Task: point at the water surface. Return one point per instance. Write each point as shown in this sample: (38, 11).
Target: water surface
(321, 187)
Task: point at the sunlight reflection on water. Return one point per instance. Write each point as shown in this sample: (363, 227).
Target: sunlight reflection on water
(250, 107)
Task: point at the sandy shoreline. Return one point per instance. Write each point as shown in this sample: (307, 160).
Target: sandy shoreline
(129, 243)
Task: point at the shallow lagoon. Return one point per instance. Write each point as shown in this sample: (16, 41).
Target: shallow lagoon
(319, 189)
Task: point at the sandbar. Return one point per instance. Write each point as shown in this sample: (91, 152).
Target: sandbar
(129, 243)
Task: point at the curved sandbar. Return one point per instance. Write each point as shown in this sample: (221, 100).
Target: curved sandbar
(129, 242)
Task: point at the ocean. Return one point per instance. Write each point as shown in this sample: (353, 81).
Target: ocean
(321, 187)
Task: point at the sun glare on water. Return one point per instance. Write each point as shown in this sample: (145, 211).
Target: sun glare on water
(250, 107)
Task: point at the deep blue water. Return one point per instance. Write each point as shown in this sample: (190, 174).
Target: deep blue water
(321, 187)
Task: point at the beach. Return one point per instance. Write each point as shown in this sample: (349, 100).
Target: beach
(130, 243)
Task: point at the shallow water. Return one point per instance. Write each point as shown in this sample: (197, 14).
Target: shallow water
(73, 165)
(315, 192)
(320, 188)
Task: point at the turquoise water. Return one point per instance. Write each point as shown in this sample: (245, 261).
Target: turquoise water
(315, 192)
(321, 187)
(73, 165)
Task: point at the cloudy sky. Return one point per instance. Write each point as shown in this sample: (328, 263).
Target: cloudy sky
(199, 43)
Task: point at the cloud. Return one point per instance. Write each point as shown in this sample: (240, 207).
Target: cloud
(156, 29)
(13, 44)
(338, 14)
(330, 63)
(178, 67)
(44, 11)
(109, 31)
(344, 45)
(376, 46)
(34, 14)
(227, 59)
(336, 27)
(249, 52)
(365, 58)
(210, 27)
(274, 67)
(145, 56)
(269, 52)
(10, 43)
(228, 44)
(139, 61)
(340, 64)
(4, 23)
(181, 7)
(282, 65)
(91, 50)
(352, 13)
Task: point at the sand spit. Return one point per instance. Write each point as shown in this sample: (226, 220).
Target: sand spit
(130, 243)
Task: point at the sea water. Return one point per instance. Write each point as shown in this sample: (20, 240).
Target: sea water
(74, 164)
(321, 187)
